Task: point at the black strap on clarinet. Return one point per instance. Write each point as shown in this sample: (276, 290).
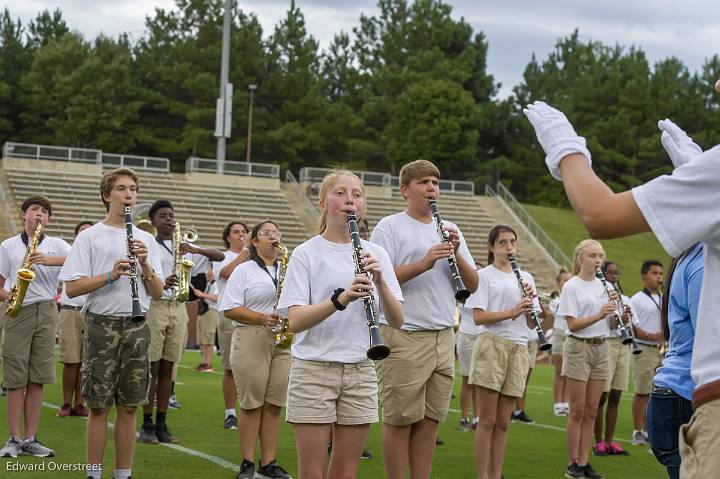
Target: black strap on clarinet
(261, 265)
(658, 304)
(666, 296)
(26, 239)
(162, 243)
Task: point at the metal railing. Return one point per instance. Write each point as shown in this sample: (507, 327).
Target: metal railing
(452, 187)
(310, 208)
(151, 163)
(241, 168)
(84, 155)
(369, 178)
(552, 250)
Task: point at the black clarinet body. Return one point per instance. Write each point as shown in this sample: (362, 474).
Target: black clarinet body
(461, 292)
(377, 350)
(542, 341)
(626, 338)
(635, 346)
(137, 314)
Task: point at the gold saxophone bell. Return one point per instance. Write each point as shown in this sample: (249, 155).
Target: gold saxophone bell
(24, 275)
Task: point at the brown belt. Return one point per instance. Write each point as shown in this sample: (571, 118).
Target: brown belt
(590, 340)
(72, 308)
(706, 393)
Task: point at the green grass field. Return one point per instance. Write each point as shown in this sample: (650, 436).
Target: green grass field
(208, 451)
(564, 227)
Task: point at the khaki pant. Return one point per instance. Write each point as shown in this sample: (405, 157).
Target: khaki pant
(619, 372)
(70, 335)
(533, 347)
(259, 367)
(643, 368)
(327, 392)
(167, 320)
(416, 379)
(500, 365)
(206, 328)
(700, 442)
(29, 346)
(466, 342)
(224, 331)
(583, 361)
(558, 342)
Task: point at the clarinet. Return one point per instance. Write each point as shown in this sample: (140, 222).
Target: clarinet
(377, 350)
(635, 346)
(137, 314)
(624, 334)
(461, 292)
(544, 345)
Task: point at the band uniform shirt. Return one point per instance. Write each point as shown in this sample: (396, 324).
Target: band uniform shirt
(94, 252)
(467, 324)
(682, 209)
(251, 287)
(430, 296)
(647, 314)
(559, 323)
(78, 301)
(499, 291)
(44, 286)
(674, 373)
(316, 269)
(582, 299)
(218, 266)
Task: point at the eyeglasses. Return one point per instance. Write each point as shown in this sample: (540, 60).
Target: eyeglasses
(270, 233)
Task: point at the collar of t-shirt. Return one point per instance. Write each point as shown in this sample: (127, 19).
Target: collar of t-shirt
(652, 298)
(261, 265)
(26, 239)
(162, 243)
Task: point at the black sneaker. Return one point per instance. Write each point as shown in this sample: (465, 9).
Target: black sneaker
(272, 471)
(147, 434)
(521, 417)
(592, 473)
(366, 454)
(247, 470)
(163, 434)
(439, 442)
(574, 471)
(230, 422)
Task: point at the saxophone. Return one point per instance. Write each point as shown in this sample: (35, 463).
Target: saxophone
(25, 275)
(182, 266)
(283, 337)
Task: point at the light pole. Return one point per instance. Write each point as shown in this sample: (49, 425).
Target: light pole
(252, 89)
(223, 119)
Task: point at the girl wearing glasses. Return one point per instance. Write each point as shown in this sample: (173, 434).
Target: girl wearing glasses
(249, 300)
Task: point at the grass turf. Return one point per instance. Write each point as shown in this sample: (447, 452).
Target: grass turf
(564, 227)
(533, 451)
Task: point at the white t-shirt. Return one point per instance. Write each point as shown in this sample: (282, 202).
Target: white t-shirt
(44, 286)
(94, 252)
(217, 266)
(559, 323)
(430, 296)
(251, 287)
(202, 263)
(78, 301)
(467, 324)
(212, 289)
(316, 269)
(582, 299)
(647, 314)
(499, 291)
(682, 209)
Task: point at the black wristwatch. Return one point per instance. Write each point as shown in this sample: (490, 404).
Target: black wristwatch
(334, 298)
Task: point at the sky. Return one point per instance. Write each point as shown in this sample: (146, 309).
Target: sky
(515, 29)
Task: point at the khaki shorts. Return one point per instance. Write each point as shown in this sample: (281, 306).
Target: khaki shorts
(116, 366)
(643, 368)
(224, 330)
(328, 392)
(29, 346)
(700, 442)
(500, 365)
(260, 369)
(3, 307)
(583, 361)
(465, 344)
(70, 335)
(416, 379)
(558, 341)
(619, 372)
(533, 347)
(168, 323)
(206, 328)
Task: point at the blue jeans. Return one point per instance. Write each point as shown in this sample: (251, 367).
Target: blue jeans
(666, 412)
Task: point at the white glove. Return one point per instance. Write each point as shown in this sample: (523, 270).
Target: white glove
(556, 135)
(681, 148)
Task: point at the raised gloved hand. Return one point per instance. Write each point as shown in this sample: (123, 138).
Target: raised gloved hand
(679, 146)
(556, 135)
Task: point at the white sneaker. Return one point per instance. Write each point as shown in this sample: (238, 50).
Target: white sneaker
(32, 447)
(12, 448)
(638, 439)
(558, 409)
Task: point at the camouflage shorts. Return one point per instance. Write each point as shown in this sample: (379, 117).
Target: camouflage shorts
(116, 366)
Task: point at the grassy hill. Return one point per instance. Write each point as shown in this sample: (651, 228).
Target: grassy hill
(567, 231)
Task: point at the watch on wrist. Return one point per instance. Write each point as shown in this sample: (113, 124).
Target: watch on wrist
(334, 298)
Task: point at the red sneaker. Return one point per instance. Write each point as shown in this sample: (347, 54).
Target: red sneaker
(65, 410)
(80, 411)
(600, 449)
(616, 449)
